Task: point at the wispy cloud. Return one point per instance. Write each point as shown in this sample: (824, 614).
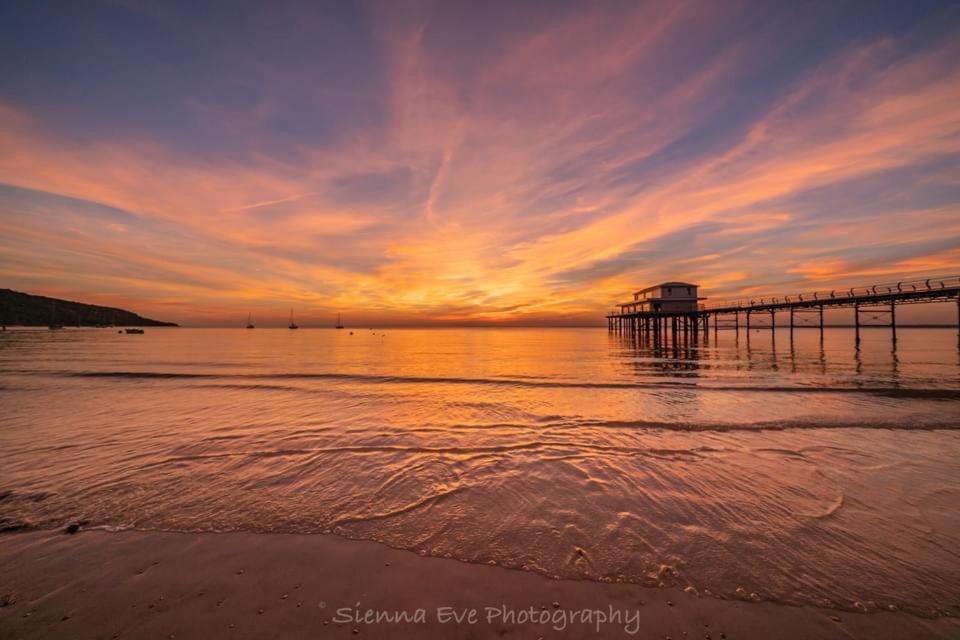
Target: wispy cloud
(534, 174)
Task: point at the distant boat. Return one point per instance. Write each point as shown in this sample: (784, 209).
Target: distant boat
(339, 324)
(134, 330)
(54, 325)
(293, 325)
(249, 322)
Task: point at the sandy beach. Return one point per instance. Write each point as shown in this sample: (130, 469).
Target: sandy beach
(97, 584)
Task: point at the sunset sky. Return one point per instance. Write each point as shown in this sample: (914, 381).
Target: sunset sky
(470, 162)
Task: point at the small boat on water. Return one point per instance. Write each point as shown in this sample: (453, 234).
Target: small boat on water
(339, 323)
(250, 322)
(293, 325)
(134, 330)
(54, 325)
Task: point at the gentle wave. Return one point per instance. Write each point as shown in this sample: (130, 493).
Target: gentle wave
(831, 468)
(450, 451)
(930, 393)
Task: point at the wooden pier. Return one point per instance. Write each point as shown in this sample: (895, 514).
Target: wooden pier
(872, 303)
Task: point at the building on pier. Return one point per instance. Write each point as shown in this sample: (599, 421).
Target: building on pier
(667, 297)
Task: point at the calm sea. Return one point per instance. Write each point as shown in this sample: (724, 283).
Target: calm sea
(804, 471)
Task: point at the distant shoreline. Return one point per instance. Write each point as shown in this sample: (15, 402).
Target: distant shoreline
(19, 309)
(475, 326)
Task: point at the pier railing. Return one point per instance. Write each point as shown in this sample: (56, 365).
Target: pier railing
(925, 287)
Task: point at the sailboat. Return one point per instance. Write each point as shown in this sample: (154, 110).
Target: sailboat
(249, 322)
(293, 325)
(339, 324)
(54, 325)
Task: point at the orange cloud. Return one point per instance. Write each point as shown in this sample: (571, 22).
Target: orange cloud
(539, 181)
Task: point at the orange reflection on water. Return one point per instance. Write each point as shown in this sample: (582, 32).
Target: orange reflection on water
(797, 470)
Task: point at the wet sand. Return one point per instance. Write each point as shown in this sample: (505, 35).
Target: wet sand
(98, 584)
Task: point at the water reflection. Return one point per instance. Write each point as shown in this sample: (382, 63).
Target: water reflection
(648, 356)
(527, 448)
(874, 354)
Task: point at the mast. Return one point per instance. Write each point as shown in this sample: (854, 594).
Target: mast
(53, 316)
